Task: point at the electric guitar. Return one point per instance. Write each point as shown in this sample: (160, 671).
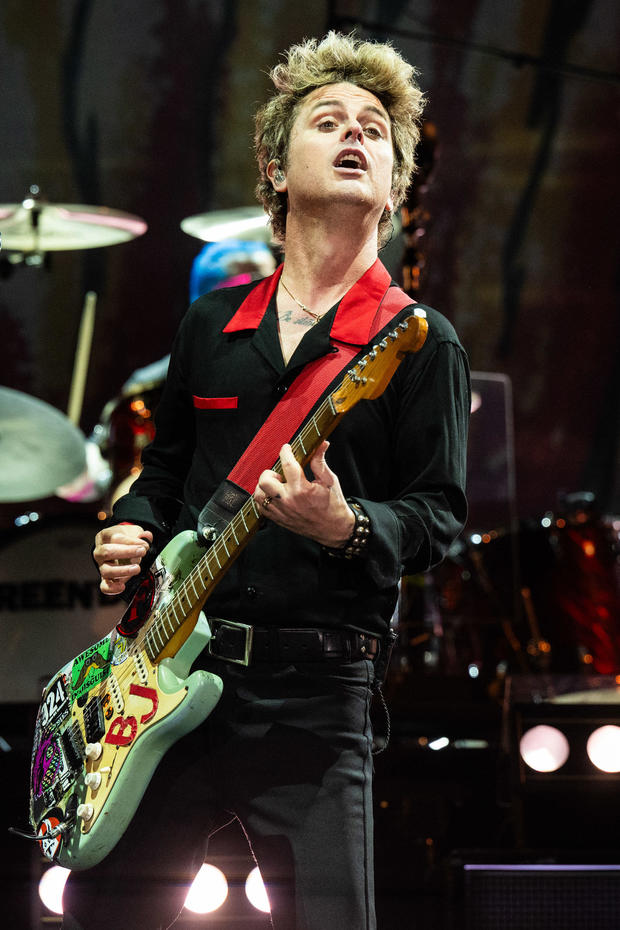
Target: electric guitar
(108, 716)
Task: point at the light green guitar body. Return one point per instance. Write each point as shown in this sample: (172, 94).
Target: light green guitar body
(141, 709)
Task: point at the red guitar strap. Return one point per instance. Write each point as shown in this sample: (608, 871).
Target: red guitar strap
(293, 408)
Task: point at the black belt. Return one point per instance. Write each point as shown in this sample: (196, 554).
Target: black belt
(244, 644)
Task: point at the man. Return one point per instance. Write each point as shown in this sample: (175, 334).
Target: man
(287, 750)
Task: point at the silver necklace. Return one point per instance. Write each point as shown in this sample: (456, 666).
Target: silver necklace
(315, 316)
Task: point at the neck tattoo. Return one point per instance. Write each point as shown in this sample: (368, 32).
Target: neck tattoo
(315, 316)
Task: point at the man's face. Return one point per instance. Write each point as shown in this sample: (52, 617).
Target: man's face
(340, 150)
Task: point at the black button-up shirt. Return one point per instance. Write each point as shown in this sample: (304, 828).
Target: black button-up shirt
(401, 455)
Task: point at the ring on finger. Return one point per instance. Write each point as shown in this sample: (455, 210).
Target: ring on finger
(267, 501)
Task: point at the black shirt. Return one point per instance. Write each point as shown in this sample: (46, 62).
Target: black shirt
(402, 456)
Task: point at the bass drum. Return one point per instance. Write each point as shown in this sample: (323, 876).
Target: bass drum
(51, 607)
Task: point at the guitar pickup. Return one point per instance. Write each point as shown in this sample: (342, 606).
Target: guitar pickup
(94, 724)
(73, 746)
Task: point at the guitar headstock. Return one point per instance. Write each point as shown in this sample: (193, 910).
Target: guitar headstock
(370, 377)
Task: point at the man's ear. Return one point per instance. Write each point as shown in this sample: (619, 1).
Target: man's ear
(390, 204)
(276, 176)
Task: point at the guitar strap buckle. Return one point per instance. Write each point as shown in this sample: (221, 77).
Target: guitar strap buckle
(230, 641)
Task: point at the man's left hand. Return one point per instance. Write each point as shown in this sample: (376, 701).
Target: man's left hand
(316, 509)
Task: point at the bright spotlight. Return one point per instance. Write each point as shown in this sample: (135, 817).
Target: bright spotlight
(440, 743)
(255, 891)
(544, 748)
(51, 887)
(603, 748)
(208, 891)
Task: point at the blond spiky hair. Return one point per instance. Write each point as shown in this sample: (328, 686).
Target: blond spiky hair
(375, 66)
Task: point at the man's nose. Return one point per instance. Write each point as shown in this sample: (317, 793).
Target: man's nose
(354, 131)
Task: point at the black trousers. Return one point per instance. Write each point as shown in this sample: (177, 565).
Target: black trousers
(288, 751)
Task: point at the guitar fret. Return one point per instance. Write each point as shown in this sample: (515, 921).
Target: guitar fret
(178, 622)
(157, 635)
(148, 646)
(191, 579)
(164, 617)
(199, 586)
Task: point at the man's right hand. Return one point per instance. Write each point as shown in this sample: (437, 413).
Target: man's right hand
(118, 553)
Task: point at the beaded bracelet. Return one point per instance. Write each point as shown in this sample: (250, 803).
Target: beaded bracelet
(358, 540)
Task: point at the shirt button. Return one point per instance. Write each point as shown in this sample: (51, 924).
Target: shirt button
(282, 389)
(250, 591)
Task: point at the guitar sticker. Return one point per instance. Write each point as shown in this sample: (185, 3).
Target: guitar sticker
(50, 844)
(149, 694)
(122, 731)
(47, 765)
(90, 668)
(140, 606)
(56, 703)
(120, 650)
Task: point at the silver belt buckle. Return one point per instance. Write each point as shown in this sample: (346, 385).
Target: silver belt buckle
(247, 646)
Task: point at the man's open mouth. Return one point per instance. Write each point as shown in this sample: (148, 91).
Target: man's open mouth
(351, 159)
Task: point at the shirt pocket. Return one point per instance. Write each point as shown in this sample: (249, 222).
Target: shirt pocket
(215, 403)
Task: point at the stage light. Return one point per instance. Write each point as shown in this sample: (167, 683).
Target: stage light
(440, 743)
(603, 748)
(208, 891)
(256, 892)
(544, 748)
(51, 887)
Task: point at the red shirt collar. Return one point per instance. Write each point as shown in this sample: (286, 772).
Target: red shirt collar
(354, 317)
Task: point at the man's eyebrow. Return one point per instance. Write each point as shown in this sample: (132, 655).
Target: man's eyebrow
(339, 103)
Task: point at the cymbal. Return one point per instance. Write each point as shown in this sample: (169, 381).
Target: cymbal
(37, 226)
(237, 223)
(40, 449)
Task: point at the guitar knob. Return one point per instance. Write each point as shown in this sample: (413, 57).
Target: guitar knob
(85, 811)
(92, 751)
(93, 780)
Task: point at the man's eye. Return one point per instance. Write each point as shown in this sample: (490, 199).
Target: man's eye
(327, 124)
(373, 131)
